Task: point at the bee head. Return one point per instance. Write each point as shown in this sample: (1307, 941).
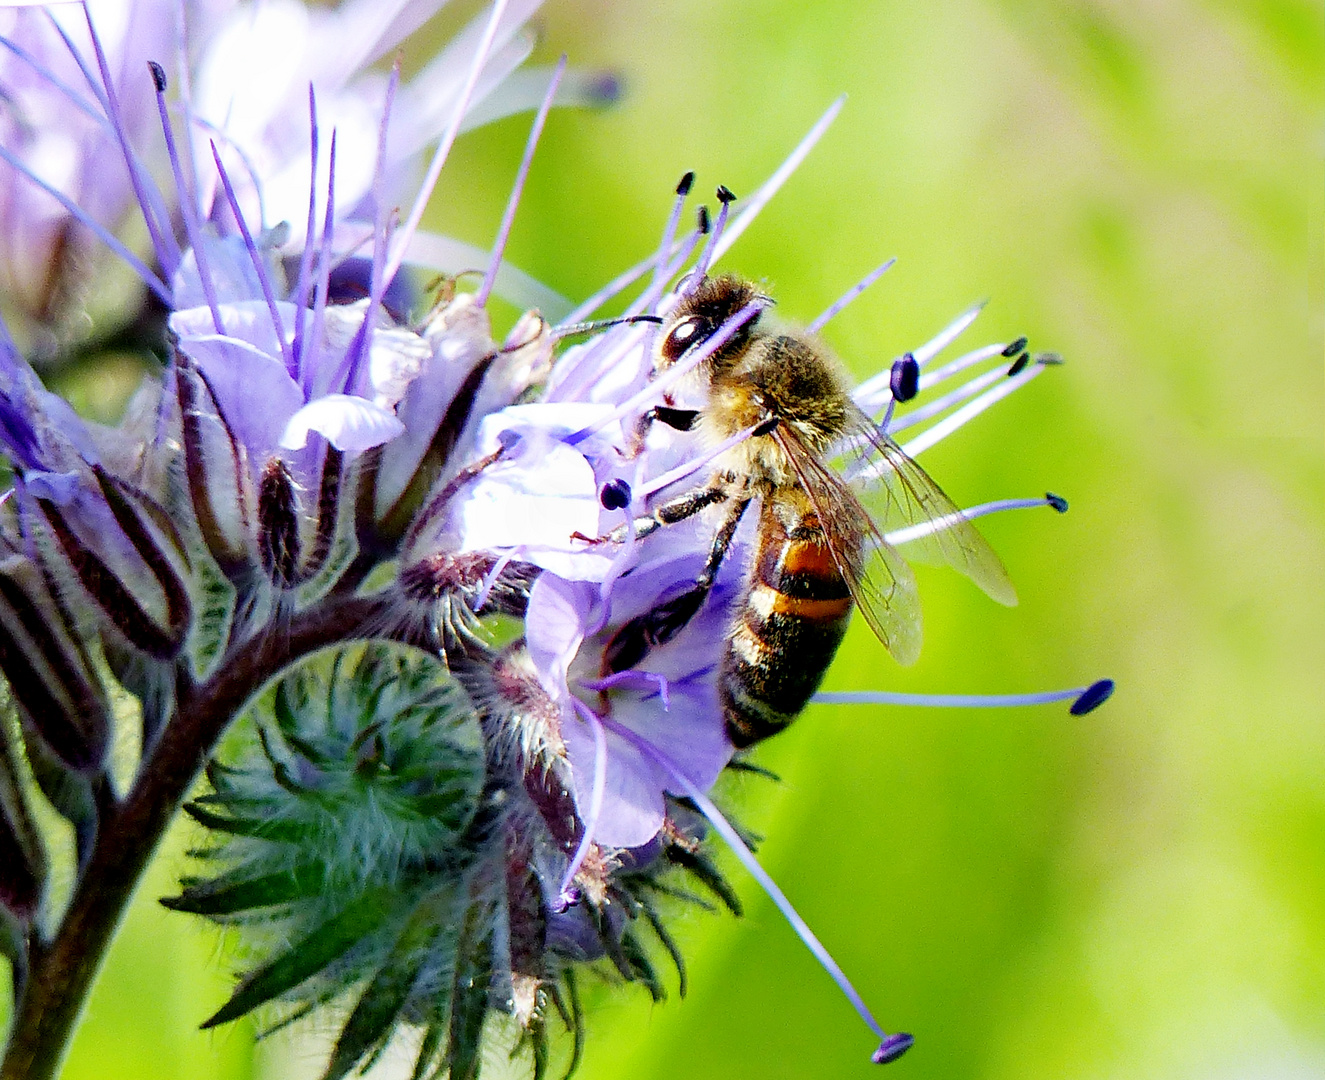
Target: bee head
(702, 314)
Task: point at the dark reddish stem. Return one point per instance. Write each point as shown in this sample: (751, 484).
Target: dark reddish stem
(61, 971)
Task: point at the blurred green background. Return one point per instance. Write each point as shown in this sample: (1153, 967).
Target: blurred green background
(1138, 186)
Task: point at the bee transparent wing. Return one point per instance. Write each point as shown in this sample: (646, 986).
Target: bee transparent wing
(901, 499)
(882, 585)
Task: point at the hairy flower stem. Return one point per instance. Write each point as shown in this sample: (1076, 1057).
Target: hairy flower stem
(62, 970)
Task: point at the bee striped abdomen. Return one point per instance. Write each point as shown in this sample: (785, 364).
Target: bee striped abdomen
(793, 620)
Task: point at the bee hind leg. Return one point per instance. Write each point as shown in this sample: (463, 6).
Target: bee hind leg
(660, 624)
(669, 513)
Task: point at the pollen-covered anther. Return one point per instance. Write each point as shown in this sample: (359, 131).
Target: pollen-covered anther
(278, 524)
(526, 1001)
(594, 876)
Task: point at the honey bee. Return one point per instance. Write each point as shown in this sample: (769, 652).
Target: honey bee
(820, 548)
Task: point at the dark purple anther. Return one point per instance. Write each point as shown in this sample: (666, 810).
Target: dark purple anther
(1019, 364)
(565, 901)
(1056, 501)
(158, 76)
(904, 380)
(1095, 695)
(607, 89)
(725, 194)
(508, 440)
(893, 1047)
(704, 224)
(683, 188)
(1016, 346)
(615, 495)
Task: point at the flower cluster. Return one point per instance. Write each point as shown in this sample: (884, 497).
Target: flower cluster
(501, 771)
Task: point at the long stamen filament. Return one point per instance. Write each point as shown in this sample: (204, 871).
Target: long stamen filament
(770, 187)
(508, 218)
(875, 389)
(847, 297)
(929, 528)
(891, 1047)
(259, 264)
(1084, 698)
(149, 198)
(969, 411)
(303, 286)
(619, 284)
(707, 255)
(188, 209)
(961, 363)
(481, 56)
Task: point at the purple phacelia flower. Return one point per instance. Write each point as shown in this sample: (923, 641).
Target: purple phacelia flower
(432, 837)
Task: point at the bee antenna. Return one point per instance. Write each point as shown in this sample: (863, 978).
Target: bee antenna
(601, 324)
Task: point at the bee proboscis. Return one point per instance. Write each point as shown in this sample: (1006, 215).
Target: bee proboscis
(820, 547)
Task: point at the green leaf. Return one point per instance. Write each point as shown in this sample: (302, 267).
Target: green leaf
(643, 967)
(701, 866)
(275, 829)
(469, 994)
(306, 958)
(381, 1002)
(220, 896)
(668, 942)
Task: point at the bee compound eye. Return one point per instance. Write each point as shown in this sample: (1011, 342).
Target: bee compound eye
(683, 335)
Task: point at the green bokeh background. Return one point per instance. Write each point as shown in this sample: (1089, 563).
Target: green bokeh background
(1138, 186)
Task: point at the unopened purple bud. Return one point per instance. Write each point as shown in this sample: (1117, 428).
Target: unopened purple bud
(615, 495)
(893, 1047)
(1095, 695)
(904, 380)
(278, 523)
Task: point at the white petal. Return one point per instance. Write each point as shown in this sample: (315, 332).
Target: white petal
(351, 424)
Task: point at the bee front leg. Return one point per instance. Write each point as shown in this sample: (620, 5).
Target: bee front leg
(669, 513)
(659, 625)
